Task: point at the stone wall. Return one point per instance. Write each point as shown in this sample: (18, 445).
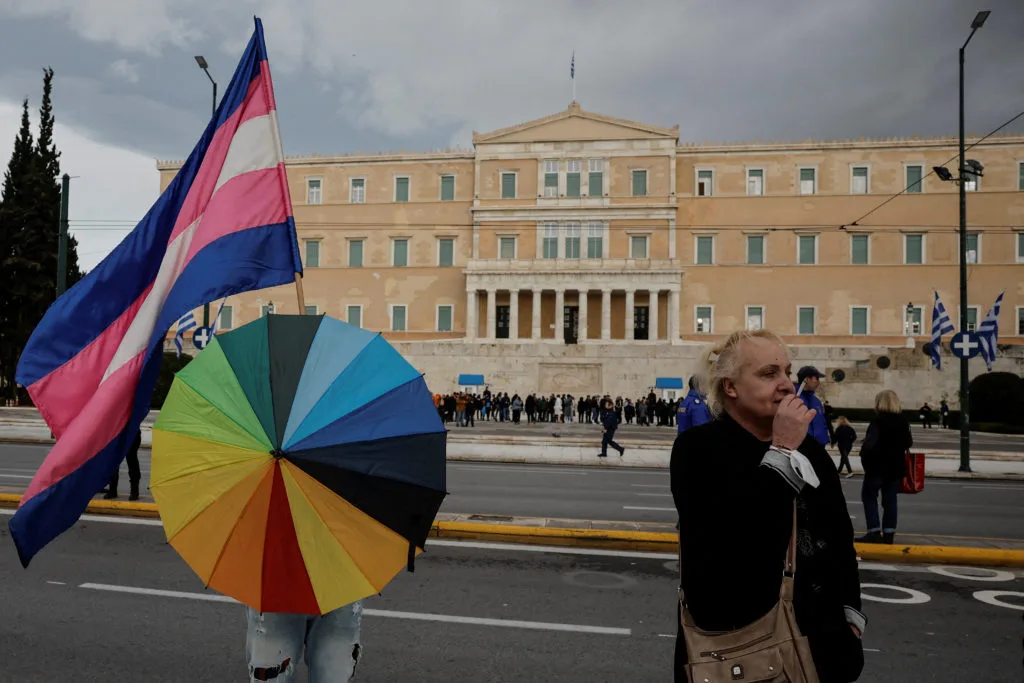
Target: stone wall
(631, 369)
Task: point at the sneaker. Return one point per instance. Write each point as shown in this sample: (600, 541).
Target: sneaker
(602, 455)
(870, 537)
(889, 538)
(621, 452)
(110, 495)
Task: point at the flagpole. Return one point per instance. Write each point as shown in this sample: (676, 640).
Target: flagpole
(299, 294)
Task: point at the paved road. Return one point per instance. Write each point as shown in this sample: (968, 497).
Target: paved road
(953, 510)
(614, 613)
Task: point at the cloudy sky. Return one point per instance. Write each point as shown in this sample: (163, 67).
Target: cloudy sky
(421, 74)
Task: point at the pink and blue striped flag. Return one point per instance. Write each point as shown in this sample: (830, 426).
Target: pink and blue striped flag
(224, 225)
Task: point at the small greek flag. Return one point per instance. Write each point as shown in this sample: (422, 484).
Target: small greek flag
(988, 332)
(572, 65)
(185, 323)
(941, 324)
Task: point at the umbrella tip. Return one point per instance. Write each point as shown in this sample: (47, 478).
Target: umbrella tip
(277, 453)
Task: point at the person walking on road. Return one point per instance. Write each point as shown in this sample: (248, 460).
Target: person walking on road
(738, 482)
(944, 413)
(693, 411)
(330, 645)
(927, 416)
(883, 455)
(610, 422)
(134, 473)
(845, 438)
(810, 378)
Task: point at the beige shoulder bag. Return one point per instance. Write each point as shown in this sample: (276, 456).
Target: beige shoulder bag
(769, 650)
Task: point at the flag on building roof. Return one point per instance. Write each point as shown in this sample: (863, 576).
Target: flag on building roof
(572, 65)
(224, 225)
(941, 324)
(185, 323)
(988, 332)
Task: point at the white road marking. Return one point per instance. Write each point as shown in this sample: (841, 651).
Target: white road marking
(560, 550)
(914, 597)
(666, 635)
(871, 649)
(656, 495)
(993, 598)
(1000, 487)
(15, 476)
(650, 486)
(415, 616)
(112, 519)
(56, 583)
(528, 470)
(633, 507)
(954, 572)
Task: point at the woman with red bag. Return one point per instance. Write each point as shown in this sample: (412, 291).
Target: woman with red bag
(883, 456)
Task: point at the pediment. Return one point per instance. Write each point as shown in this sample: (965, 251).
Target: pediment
(575, 125)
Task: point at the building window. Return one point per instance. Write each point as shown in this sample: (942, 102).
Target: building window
(400, 253)
(639, 183)
(266, 309)
(357, 190)
(1020, 247)
(641, 323)
(446, 252)
(549, 244)
(444, 318)
(704, 251)
(971, 181)
(312, 253)
(354, 315)
(755, 317)
(572, 178)
(807, 250)
(805, 320)
(508, 185)
(705, 182)
(913, 249)
(703, 319)
(550, 178)
(226, 321)
(913, 321)
(312, 310)
(808, 181)
(447, 188)
(859, 320)
(507, 248)
(572, 240)
(314, 190)
(397, 318)
(973, 247)
(1020, 321)
(595, 179)
(1020, 175)
(755, 250)
(401, 189)
(914, 179)
(638, 246)
(595, 240)
(859, 180)
(755, 182)
(355, 253)
(502, 322)
(972, 318)
(859, 250)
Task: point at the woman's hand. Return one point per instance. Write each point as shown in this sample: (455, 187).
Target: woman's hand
(790, 426)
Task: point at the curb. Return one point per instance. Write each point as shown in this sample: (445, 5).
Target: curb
(644, 541)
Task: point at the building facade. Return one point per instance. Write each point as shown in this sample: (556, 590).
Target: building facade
(585, 253)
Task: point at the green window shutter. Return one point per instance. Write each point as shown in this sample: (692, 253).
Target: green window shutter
(354, 316)
(312, 310)
(508, 185)
(705, 250)
(446, 252)
(639, 183)
(398, 318)
(401, 248)
(227, 318)
(596, 184)
(806, 321)
(312, 254)
(572, 247)
(1020, 246)
(915, 249)
(401, 189)
(859, 250)
(972, 318)
(859, 321)
(807, 244)
(355, 254)
(550, 247)
(572, 184)
(444, 319)
(806, 174)
(638, 247)
(551, 180)
(755, 250)
(595, 247)
(507, 248)
(447, 188)
(1020, 174)
(914, 179)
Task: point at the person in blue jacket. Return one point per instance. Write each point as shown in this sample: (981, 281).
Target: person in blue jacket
(610, 422)
(810, 377)
(693, 411)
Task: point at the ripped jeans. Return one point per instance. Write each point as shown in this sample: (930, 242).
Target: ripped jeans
(329, 645)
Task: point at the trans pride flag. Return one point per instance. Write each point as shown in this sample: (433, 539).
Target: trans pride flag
(223, 226)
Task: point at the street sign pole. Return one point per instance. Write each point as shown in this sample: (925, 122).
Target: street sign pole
(62, 237)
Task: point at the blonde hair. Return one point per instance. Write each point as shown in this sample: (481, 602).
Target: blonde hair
(842, 421)
(887, 402)
(721, 362)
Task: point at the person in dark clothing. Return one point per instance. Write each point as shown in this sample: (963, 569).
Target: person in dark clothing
(735, 481)
(927, 416)
(883, 455)
(531, 408)
(845, 438)
(944, 413)
(134, 473)
(830, 417)
(610, 421)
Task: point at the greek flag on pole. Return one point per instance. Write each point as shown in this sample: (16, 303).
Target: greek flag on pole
(988, 332)
(941, 324)
(185, 323)
(572, 65)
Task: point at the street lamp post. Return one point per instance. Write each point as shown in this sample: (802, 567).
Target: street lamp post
(201, 61)
(965, 420)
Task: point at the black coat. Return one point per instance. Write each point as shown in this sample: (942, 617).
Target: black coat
(845, 437)
(735, 520)
(883, 453)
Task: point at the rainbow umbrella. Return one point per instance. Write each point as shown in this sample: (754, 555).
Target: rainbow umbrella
(298, 464)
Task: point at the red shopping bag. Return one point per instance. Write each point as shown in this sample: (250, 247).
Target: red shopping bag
(913, 480)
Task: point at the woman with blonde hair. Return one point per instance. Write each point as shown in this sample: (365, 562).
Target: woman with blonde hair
(738, 483)
(883, 457)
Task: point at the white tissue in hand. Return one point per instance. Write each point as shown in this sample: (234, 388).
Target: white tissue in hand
(804, 468)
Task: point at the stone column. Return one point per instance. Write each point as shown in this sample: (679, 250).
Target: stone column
(582, 299)
(535, 333)
(513, 314)
(652, 307)
(492, 314)
(673, 316)
(630, 316)
(471, 324)
(560, 316)
(606, 314)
